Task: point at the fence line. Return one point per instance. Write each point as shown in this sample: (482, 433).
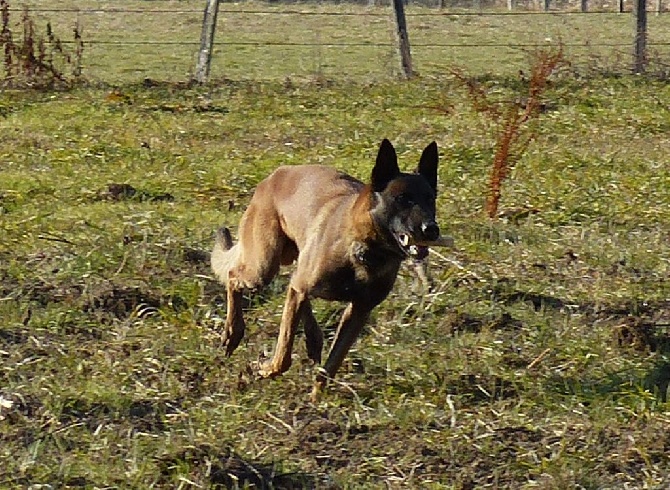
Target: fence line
(481, 13)
(426, 12)
(366, 45)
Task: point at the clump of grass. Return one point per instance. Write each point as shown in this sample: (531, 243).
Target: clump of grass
(38, 61)
(512, 120)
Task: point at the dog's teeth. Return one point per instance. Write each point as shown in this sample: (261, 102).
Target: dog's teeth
(414, 250)
(404, 240)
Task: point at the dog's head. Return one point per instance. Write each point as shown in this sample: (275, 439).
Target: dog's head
(403, 207)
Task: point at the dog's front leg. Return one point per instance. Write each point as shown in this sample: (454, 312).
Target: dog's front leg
(351, 324)
(294, 308)
(313, 334)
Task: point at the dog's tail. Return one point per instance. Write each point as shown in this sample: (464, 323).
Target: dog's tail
(224, 254)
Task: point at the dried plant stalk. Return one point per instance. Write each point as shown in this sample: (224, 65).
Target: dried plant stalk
(513, 136)
(35, 61)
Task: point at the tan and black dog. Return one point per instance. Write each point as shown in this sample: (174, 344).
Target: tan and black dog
(348, 239)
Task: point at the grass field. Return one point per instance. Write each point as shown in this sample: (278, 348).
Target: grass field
(133, 39)
(541, 358)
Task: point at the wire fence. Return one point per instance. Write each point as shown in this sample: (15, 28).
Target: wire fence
(159, 39)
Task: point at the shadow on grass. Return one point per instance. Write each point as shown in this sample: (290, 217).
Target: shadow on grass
(225, 469)
(146, 416)
(649, 335)
(652, 384)
(644, 334)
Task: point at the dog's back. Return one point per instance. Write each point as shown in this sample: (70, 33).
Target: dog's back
(307, 197)
(292, 206)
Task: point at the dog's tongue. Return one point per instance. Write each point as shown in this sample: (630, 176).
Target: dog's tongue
(418, 252)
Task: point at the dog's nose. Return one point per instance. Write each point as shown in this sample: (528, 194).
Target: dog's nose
(430, 230)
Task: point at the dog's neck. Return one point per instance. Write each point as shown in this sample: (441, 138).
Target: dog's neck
(372, 256)
(370, 245)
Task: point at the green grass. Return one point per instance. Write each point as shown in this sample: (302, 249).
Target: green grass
(539, 360)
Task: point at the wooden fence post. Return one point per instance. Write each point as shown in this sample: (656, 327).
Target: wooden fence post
(206, 41)
(659, 7)
(585, 5)
(510, 5)
(621, 6)
(640, 48)
(403, 39)
(547, 5)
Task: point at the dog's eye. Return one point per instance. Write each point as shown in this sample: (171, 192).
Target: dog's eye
(404, 200)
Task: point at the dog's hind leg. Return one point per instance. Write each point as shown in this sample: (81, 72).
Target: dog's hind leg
(313, 334)
(247, 266)
(351, 324)
(233, 332)
(294, 311)
(224, 257)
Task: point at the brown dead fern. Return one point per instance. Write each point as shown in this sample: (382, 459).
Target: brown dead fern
(34, 60)
(512, 118)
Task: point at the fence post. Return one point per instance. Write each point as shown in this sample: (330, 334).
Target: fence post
(621, 6)
(640, 49)
(547, 5)
(585, 5)
(206, 41)
(659, 7)
(510, 5)
(403, 39)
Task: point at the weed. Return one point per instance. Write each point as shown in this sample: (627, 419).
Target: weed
(512, 118)
(38, 61)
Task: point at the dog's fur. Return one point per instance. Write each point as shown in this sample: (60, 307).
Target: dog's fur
(348, 239)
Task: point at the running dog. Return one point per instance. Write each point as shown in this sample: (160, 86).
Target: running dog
(347, 239)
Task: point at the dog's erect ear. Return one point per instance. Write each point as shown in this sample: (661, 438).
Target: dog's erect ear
(428, 165)
(386, 168)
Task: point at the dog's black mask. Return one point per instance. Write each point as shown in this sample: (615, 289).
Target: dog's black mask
(405, 203)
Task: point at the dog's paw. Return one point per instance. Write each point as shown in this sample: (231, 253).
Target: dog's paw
(265, 371)
(319, 385)
(269, 369)
(315, 395)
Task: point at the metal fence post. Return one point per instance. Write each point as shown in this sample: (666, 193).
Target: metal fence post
(206, 41)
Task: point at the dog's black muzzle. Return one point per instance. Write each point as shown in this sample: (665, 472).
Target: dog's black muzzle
(430, 231)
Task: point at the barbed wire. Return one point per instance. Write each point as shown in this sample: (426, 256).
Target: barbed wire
(362, 44)
(439, 13)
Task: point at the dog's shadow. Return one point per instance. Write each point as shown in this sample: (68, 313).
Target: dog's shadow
(226, 469)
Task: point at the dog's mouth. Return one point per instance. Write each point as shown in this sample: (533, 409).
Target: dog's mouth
(410, 247)
(418, 250)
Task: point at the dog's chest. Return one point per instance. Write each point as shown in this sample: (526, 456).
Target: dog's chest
(367, 275)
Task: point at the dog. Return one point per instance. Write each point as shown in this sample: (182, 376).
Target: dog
(347, 238)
